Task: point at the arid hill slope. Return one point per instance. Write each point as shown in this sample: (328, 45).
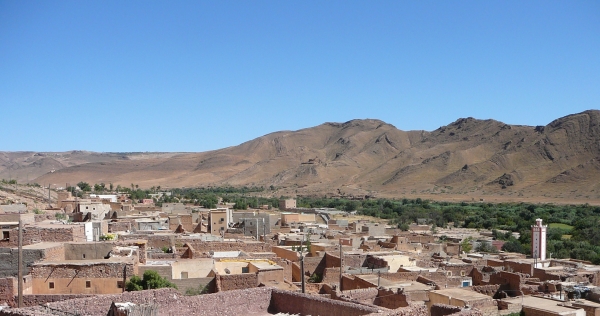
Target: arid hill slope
(467, 157)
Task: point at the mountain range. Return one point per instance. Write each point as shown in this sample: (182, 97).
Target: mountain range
(468, 158)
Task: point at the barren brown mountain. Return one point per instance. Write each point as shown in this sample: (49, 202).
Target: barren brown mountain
(467, 158)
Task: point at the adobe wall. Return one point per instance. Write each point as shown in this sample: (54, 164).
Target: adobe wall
(460, 269)
(36, 234)
(120, 226)
(87, 251)
(512, 280)
(103, 278)
(9, 258)
(194, 283)
(521, 267)
(236, 281)
(207, 246)
(287, 268)
(589, 309)
(364, 296)
(331, 276)
(488, 290)
(444, 309)
(314, 265)
(285, 253)
(270, 276)
(400, 276)
(353, 283)
(8, 290)
(392, 299)
(154, 241)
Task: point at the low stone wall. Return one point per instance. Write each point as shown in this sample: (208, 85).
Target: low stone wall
(297, 303)
(39, 299)
(168, 301)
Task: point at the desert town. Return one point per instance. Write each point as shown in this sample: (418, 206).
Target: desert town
(80, 255)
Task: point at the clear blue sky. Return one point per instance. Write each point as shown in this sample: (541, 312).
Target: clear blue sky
(202, 75)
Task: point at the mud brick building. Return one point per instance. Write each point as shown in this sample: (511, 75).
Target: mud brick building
(33, 234)
(82, 276)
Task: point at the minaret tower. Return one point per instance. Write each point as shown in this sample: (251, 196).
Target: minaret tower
(538, 240)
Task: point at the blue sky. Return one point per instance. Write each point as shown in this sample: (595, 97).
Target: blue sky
(202, 75)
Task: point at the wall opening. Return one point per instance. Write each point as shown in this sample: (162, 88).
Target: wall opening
(5, 235)
(51, 285)
(88, 284)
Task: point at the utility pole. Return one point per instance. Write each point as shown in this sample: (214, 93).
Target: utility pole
(302, 265)
(20, 262)
(341, 264)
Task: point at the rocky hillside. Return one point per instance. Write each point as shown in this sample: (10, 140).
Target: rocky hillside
(467, 157)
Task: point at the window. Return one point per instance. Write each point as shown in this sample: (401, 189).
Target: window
(83, 256)
(51, 285)
(222, 219)
(448, 273)
(5, 235)
(120, 284)
(462, 273)
(88, 284)
(245, 270)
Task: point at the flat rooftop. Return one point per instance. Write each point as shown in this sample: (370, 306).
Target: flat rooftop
(464, 295)
(541, 303)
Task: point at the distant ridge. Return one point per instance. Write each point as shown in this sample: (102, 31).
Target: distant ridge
(468, 157)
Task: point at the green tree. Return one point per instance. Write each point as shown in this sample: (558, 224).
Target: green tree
(465, 245)
(84, 186)
(150, 280)
(513, 245)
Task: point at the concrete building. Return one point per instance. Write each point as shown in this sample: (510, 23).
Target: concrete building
(287, 204)
(219, 220)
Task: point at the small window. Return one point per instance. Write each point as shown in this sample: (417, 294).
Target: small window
(462, 273)
(245, 270)
(83, 256)
(120, 284)
(51, 285)
(88, 284)
(448, 273)
(5, 235)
